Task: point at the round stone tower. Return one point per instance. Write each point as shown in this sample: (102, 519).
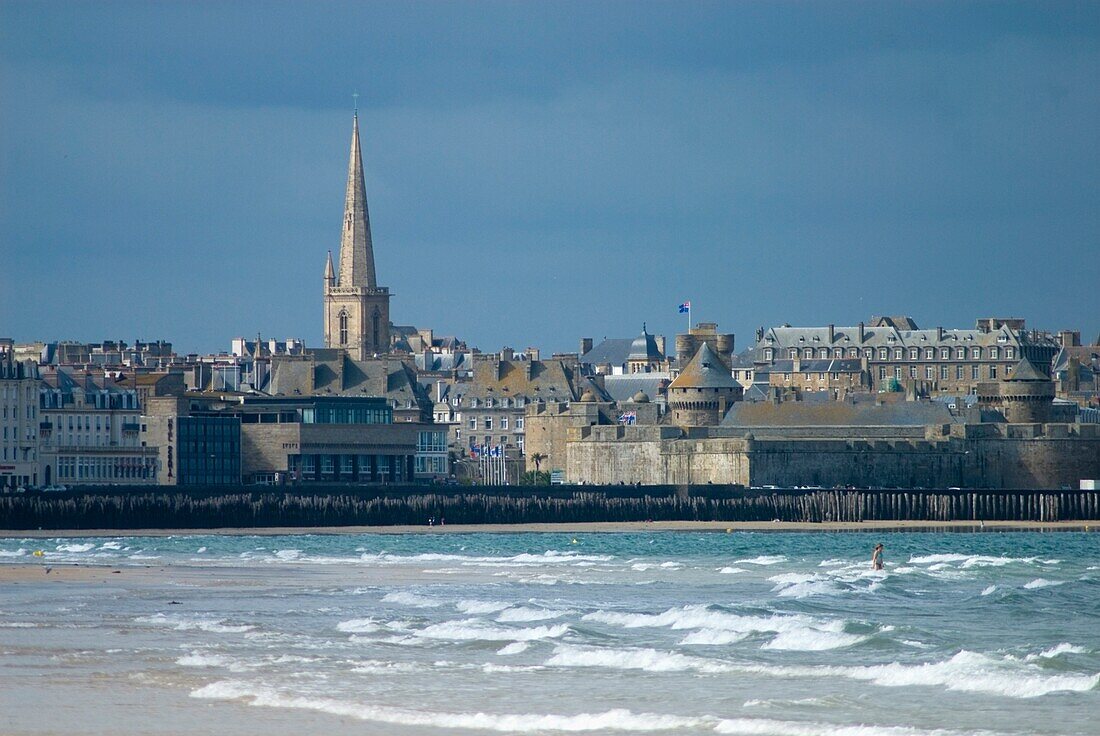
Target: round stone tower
(703, 392)
(1024, 396)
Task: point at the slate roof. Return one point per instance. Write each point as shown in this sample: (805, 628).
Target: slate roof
(705, 370)
(835, 365)
(623, 388)
(866, 413)
(644, 347)
(1025, 370)
(614, 351)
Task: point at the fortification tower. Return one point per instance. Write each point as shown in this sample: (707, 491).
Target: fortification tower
(703, 392)
(1024, 396)
(357, 309)
(687, 343)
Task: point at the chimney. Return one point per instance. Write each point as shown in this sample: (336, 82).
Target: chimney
(586, 345)
(759, 334)
(506, 354)
(527, 365)
(439, 390)
(533, 353)
(832, 334)
(660, 340)
(939, 334)
(861, 326)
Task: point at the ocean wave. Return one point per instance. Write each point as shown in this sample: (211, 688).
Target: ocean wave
(730, 570)
(359, 626)
(522, 614)
(769, 727)
(478, 630)
(762, 560)
(516, 647)
(188, 623)
(967, 561)
(613, 720)
(700, 616)
(76, 547)
(475, 607)
(406, 598)
(964, 672)
(813, 640)
(1056, 651)
(713, 637)
(1042, 583)
(21, 552)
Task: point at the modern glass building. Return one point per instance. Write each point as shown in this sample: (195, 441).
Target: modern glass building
(208, 450)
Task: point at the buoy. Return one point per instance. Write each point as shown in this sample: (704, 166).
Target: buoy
(728, 531)
(574, 540)
(39, 553)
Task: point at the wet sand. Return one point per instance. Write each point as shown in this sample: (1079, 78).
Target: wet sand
(578, 528)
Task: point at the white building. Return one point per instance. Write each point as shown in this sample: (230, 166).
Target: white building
(18, 422)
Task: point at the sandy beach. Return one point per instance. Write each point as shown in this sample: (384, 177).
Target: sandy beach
(579, 528)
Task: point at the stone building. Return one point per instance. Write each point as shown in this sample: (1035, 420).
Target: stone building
(90, 431)
(357, 309)
(703, 392)
(19, 420)
(836, 377)
(337, 373)
(688, 343)
(935, 361)
(624, 356)
(1024, 396)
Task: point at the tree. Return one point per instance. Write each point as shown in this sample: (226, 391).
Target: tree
(537, 459)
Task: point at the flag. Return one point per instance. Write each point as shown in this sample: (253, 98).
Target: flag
(685, 307)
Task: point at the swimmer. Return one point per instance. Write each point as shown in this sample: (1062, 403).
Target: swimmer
(876, 557)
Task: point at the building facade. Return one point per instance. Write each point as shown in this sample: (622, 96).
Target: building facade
(898, 355)
(19, 419)
(356, 308)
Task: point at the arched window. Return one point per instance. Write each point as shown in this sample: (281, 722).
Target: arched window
(374, 328)
(343, 327)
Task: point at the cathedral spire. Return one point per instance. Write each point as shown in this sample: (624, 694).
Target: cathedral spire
(356, 249)
(330, 274)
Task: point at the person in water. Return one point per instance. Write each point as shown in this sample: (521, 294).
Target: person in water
(876, 557)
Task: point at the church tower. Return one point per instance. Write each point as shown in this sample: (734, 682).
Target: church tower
(357, 309)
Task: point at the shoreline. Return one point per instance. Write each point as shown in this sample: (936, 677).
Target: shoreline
(611, 527)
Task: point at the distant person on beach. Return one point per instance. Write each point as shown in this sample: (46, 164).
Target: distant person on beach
(876, 557)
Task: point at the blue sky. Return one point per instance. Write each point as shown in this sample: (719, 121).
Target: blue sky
(538, 172)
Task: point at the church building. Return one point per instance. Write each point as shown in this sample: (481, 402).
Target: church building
(357, 309)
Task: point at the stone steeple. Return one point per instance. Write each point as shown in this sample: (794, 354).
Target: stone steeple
(356, 249)
(357, 309)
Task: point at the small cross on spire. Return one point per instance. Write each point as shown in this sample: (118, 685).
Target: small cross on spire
(355, 97)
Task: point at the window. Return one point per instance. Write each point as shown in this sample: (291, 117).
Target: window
(792, 353)
(945, 353)
(808, 353)
(994, 353)
(489, 403)
(992, 371)
(882, 353)
(976, 354)
(914, 353)
(912, 371)
(943, 372)
(769, 354)
(974, 372)
(488, 422)
(823, 353)
(897, 372)
(473, 423)
(960, 353)
(882, 373)
(929, 353)
(959, 372)
(343, 327)
(519, 423)
(1010, 353)
(504, 422)
(898, 353)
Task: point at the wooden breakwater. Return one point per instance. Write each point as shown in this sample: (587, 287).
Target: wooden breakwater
(211, 508)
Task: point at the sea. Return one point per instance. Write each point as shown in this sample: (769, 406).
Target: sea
(596, 633)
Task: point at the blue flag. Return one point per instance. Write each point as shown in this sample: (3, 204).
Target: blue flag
(685, 307)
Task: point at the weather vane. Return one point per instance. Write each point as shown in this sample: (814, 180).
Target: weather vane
(355, 97)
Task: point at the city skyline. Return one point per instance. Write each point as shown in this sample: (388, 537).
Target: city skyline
(538, 191)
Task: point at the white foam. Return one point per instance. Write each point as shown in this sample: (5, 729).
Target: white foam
(289, 554)
(614, 720)
(18, 625)
(21, 552)
(990, 590)
(702, 617)
(1056, 651)
(359, 626)
(111, 545)
(516, 647)
(76, 547)
(812, 640)
(521, 614)
(415, 600)
(713, 637)
(185, 623)
(200, 659)
(731, 570)
(769, 727)
(762, 560)
(964, 672)
(478, 630)
(968, 561)
(1042, 583)
(481, 607)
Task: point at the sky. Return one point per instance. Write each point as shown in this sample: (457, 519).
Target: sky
(542, 172)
